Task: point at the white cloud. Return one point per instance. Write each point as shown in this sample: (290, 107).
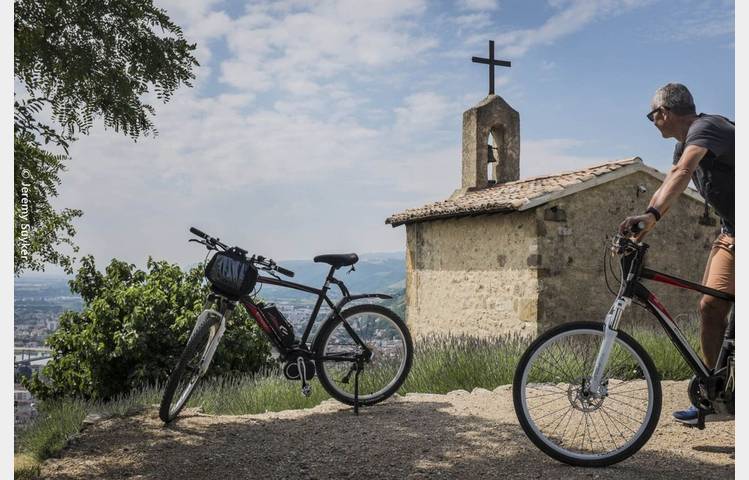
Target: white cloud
(480, 5)
(187, 12)
(422, 112)
(211, 25)
(695, 21)
(472, 20)
(572, 17)
(305, 46)
(553, 155)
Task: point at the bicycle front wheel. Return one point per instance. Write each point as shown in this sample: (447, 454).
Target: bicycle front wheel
(386, 336)
(186, 374)
(569, 422)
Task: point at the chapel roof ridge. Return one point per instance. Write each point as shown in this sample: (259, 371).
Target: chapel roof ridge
(621, 162)
(517, 195)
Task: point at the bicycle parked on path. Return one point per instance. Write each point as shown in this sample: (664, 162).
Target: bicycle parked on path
(589, 395)
(361, 355)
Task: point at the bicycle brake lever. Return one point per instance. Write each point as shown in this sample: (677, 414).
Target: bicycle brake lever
(352, 269)
(202, 242)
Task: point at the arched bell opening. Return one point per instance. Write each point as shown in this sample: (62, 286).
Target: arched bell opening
(495, 146)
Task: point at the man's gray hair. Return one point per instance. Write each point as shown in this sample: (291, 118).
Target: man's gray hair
(675, 97)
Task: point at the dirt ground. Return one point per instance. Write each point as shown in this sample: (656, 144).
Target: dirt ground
(419, 436)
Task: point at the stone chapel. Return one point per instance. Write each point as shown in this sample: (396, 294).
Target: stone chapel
(504, 254)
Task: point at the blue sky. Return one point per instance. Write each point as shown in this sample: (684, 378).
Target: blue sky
(310, 122)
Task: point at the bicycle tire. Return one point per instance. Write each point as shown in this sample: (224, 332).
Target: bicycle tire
(327, 373)
(197, 344)
(642, 435)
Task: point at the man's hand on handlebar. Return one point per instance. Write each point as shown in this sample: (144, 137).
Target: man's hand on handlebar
(637, 226)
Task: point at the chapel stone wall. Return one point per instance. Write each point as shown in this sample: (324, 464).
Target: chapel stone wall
(471, 275)
(574, 230)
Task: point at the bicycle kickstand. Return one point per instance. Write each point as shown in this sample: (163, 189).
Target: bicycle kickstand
(359, 367)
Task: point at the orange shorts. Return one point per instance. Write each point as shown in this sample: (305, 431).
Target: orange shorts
(719, 271)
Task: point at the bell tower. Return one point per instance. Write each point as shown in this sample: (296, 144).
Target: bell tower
(501, 159)
(491, 138)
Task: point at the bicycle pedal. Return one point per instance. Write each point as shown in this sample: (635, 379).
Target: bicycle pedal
(306, 390)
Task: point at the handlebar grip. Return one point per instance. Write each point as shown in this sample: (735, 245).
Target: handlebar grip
(283, 271)
(638, 227)
(197, 232)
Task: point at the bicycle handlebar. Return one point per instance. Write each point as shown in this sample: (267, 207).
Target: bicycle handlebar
(283, 271)
(197, 232)
(260, 260)
(638, 227)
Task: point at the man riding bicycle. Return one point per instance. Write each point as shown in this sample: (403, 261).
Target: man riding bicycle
(704, 153)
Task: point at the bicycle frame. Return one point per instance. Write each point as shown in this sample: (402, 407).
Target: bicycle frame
(322, 296)
(669, 325)
(632, 265)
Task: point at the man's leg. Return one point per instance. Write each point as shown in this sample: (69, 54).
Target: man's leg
(713, 312)
(719, 275)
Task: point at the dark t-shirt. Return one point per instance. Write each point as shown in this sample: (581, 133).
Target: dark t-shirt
(714, 177)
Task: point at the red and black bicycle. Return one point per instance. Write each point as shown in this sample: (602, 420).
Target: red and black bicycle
(588, 394)
(361, 355)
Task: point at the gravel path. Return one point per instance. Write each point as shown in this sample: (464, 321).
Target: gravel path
(419, 436)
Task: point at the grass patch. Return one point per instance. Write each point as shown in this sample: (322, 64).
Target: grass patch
(61, 420)
(25, 467)
(441, 365)
(444, 364)
(668, 360)
(56, 423)
(268, 392)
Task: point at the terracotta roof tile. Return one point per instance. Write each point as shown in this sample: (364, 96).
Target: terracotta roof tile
(507, 196)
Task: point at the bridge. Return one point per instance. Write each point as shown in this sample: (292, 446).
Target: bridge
(30, 354)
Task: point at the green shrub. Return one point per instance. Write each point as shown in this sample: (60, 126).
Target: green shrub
(132, 329)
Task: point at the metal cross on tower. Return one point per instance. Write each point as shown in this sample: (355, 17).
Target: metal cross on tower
(491, 62)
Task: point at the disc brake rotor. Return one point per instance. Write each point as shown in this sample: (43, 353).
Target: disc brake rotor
(581, 398)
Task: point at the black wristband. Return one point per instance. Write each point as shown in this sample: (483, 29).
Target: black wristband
(655, 213)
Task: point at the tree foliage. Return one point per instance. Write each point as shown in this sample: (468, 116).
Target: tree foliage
(79, 60)
(98, 58)
(39, 230)
(132, 329)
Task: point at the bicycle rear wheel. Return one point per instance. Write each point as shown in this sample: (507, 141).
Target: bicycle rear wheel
(567, 421)
(387, 337)
(182, 381)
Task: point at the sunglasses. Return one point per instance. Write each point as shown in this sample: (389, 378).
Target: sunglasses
(651, 115)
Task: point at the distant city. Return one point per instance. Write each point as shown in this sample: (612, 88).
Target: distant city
(40, 300)
(38, 303)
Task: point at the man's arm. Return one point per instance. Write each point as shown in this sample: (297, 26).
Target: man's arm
(674, 184)
(677, 179)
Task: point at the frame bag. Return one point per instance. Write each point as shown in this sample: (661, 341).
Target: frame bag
(231, 274)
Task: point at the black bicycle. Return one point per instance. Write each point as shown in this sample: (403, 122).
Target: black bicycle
(361, 355)
(589, 395)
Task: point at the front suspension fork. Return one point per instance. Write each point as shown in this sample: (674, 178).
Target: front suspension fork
(205, 360)
(609, 337)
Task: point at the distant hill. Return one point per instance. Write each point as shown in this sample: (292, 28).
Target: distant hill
(375, 273)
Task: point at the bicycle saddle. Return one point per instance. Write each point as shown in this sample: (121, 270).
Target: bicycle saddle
(338, 260)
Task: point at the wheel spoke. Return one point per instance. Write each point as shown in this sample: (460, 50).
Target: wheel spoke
(381, 374)
(561, 410)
